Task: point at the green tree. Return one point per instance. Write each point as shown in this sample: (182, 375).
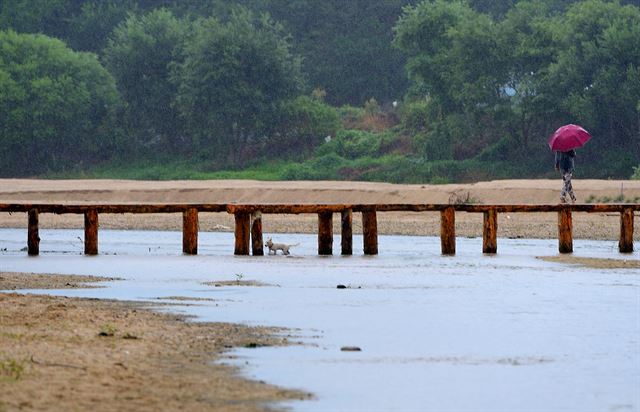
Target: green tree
(528, 43)
(90, 27)
(345, 45)
(492, 7)
(456, 60)
(139, 54)
(232, 80)
(55, 105)
(38, 16)
(596, 79)
(83, 24)
(305, 122)
(438, 38)
(510, 83)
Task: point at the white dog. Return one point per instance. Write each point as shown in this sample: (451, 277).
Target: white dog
(274, 247)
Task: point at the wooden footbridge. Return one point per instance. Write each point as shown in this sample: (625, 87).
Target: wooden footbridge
(248, 222)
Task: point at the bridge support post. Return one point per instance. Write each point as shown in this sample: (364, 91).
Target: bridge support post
(257, 245)
(370, 232)
(33, 238)
(347, 232)
(91, 232)
(490, 230)
(625, 245)
(190, 231)
(325, 233)
(565, 231)
(242, 233)
(448, 231)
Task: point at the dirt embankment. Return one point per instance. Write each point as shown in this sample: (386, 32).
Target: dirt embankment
(527, 225)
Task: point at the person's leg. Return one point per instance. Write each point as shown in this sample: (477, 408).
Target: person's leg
(566, 181)
(567, 188)
(570, 187)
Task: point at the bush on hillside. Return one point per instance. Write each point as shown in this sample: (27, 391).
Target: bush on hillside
(305, 124)
(351, 144)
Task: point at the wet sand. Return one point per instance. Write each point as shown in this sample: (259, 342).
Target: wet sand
(59, 353)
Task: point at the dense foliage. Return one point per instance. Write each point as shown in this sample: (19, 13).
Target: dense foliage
(397, 90)
(232, 81)
(55, 105)
(523, 76)
(139, 54)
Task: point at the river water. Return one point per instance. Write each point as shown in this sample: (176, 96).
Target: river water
(470, 332)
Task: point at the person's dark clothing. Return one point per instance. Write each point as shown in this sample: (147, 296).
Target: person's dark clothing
(564, 161)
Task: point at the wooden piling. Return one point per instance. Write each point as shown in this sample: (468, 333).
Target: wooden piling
(625, 245)
(33, 238)
(243, 221)
(325, 233)
(490, 231)
(91, 232)
(246, 229)
(565, 231)
(190, 223)
(448, 231)
(347, 232)
(370, 232)
(257, 245)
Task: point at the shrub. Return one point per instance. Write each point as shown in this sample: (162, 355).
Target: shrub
(350, 116)
(305, 123)
(501, 150)
(414, 116)
(325, 167)
(351, 144)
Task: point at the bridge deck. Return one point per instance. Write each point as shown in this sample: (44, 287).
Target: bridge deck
(248, 221)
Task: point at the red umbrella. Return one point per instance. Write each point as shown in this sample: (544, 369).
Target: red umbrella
(568, 137)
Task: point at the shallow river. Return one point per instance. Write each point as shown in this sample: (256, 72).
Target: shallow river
(472, 332)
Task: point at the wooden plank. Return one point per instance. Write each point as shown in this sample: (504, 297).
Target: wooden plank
(190, 223)
(370, 232)
(448, 231)
(504, 208)
(293, 209)
(490, 232)
(91, 232)
(257, 244)
(243, 221)
(308, 208)
(33, 238)
(111, 208)
(565, 231)
(325, 233)
(347, 232)
(625, 245)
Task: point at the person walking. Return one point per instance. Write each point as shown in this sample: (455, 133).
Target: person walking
(564, 142)
(565, 164)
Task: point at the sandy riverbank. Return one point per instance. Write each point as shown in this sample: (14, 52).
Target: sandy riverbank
(536, 225)
(60, 353)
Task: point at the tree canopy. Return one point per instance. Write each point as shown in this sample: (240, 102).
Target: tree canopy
(466, 89)
(526, 74)
(233, 77)
(55, 105)
(139, 54)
